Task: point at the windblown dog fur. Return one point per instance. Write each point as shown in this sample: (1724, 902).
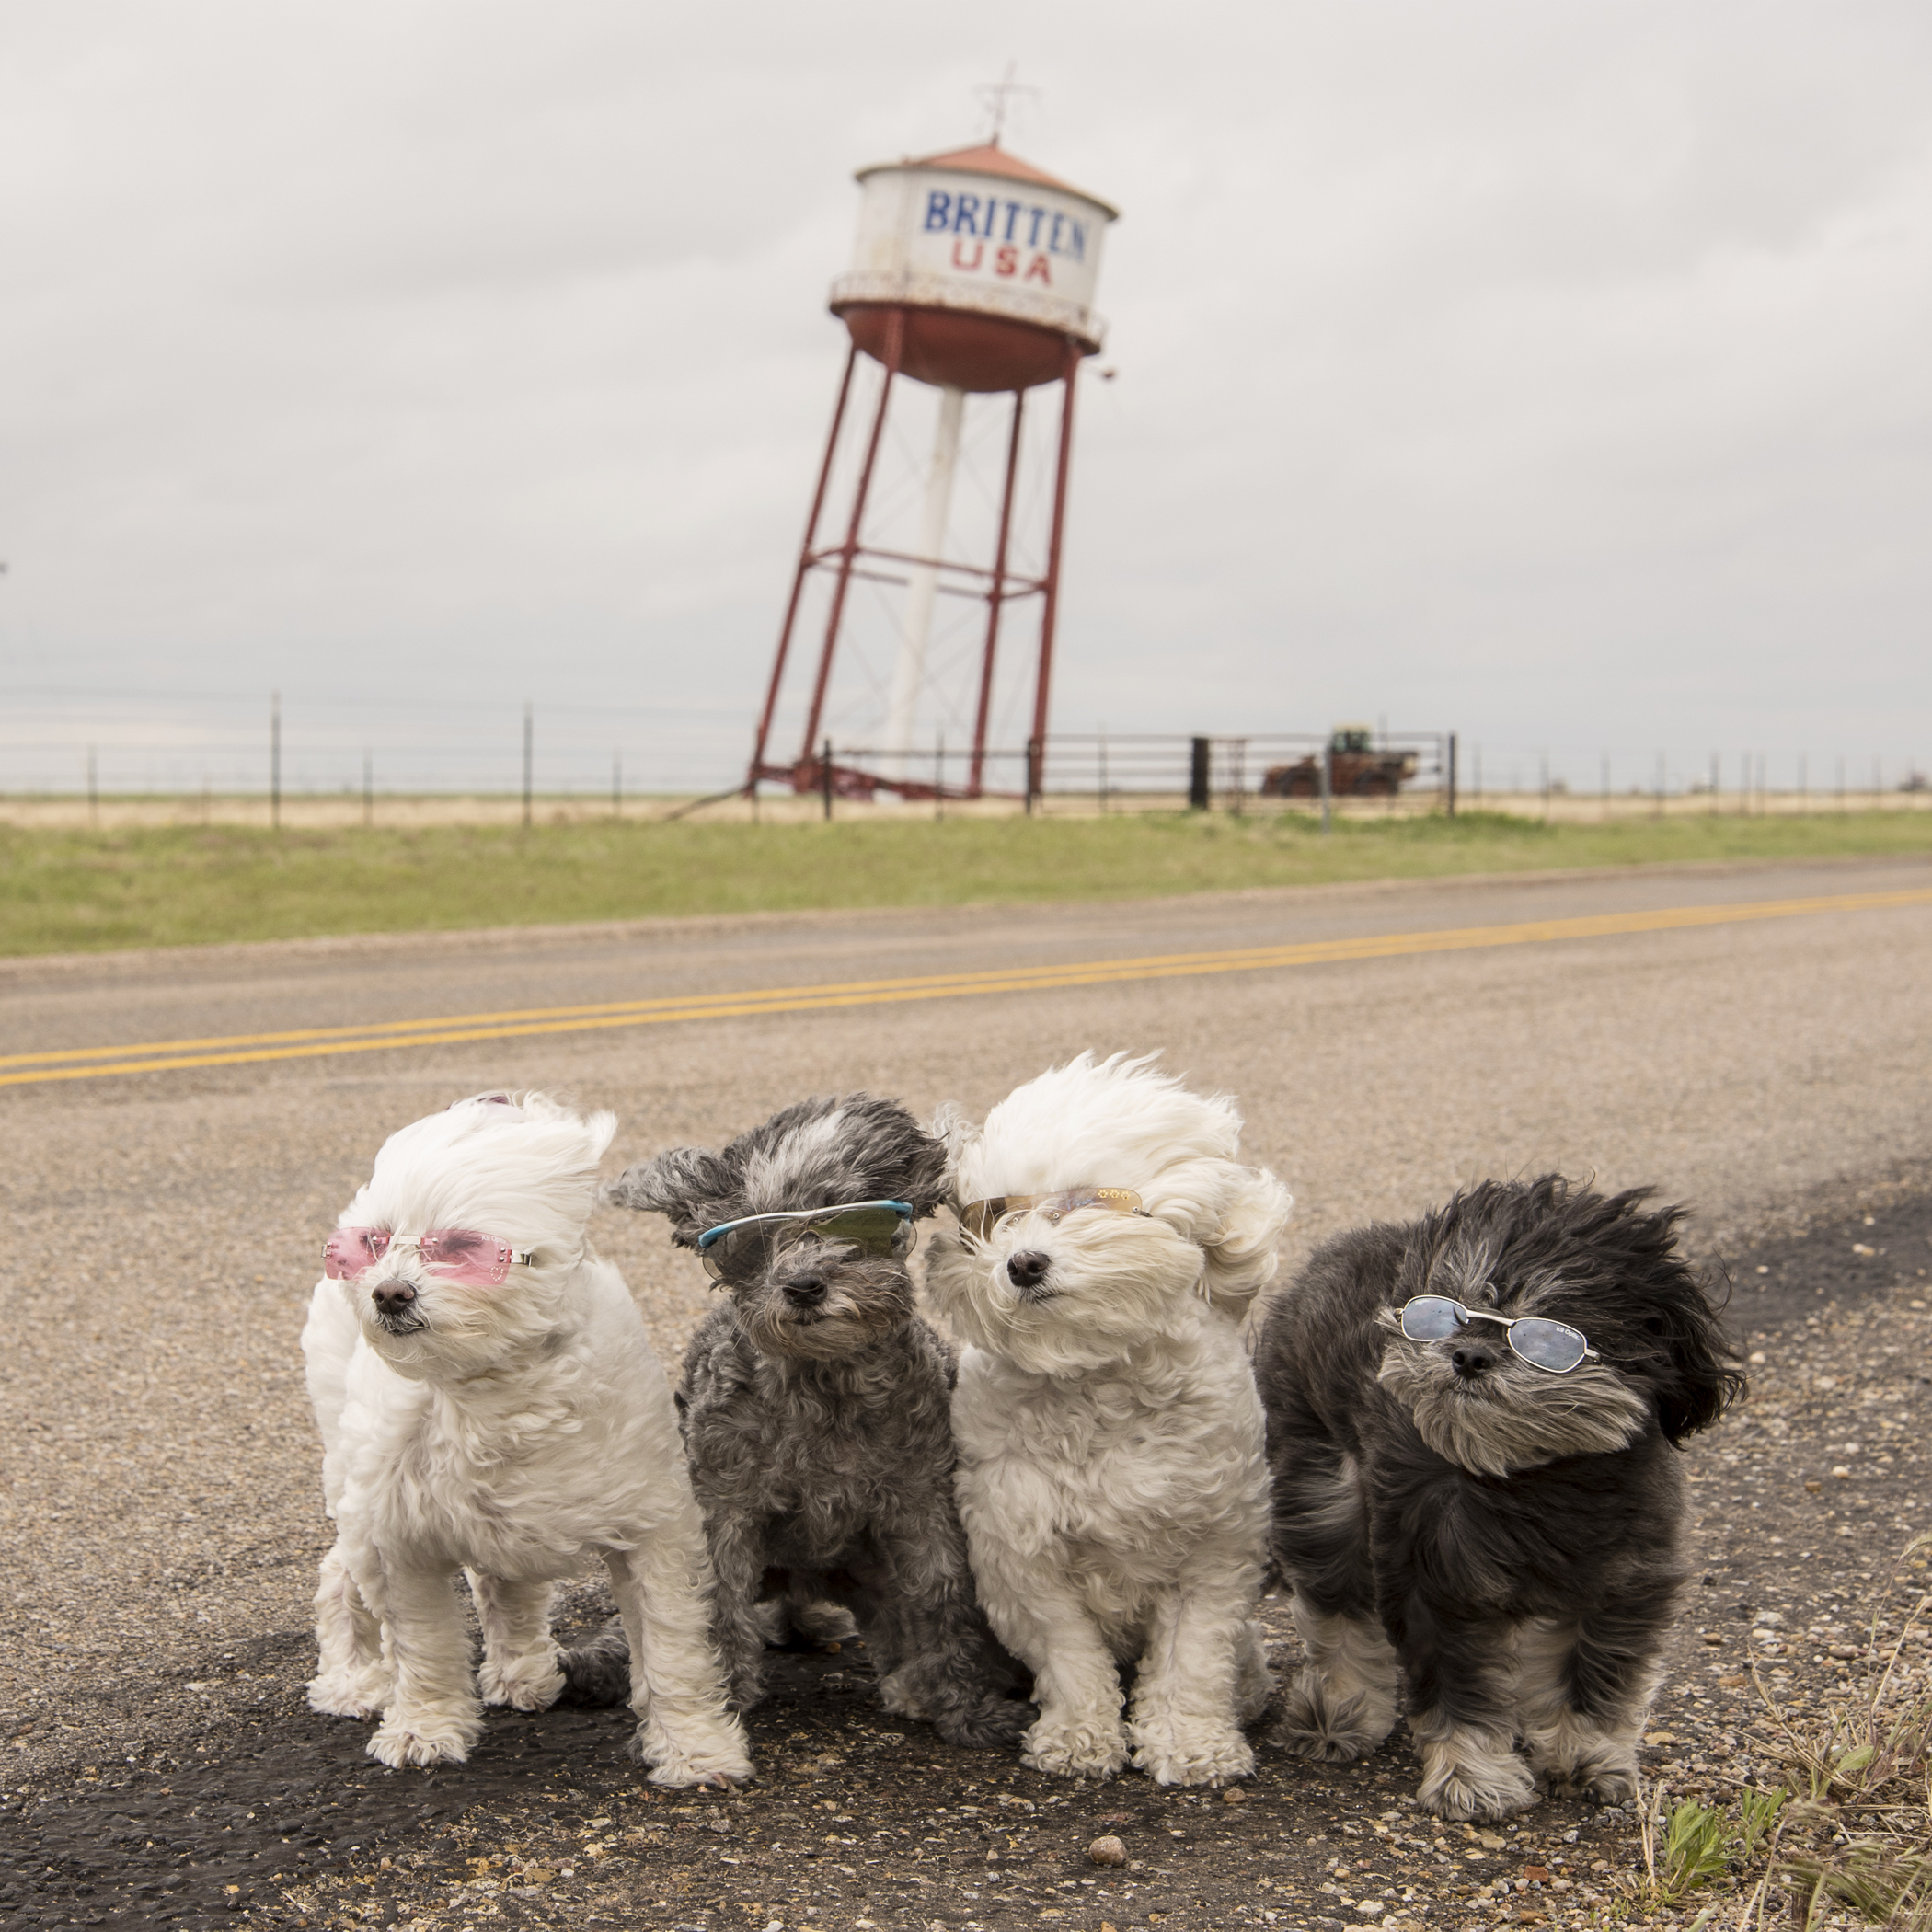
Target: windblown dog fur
(517, 1431)
(1111, 1471)
(817, 1417)
(1501, 1540)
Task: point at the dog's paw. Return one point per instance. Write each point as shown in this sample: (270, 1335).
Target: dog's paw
(1179, 1756)
(1474, 1785)
(523, 1683)
(1584, 1758)
(814, 1625)
(426, 1740)
(694, 1753)
(1254, 1682)
(899, 1693)
(747, 1689)
(596, 1674)
(1075, 1749)
(993, 1723)
(349, 1694)
(1601, 1784)
(1332, 1730)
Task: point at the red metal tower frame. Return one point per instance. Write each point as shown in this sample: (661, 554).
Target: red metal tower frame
(807, 772)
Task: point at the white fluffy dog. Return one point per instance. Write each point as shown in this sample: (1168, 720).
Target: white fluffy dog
(488, 1400)
(1111, 1473)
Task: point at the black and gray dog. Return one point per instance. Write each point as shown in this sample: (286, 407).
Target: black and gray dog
(818, 1406)
(1472, 1422)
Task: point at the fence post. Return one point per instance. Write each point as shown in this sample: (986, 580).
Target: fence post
(1198, 774)
(528, 745)
(275, 761)
(825, 779)
(1036, 775)
(1327, 781)
(1449, 775)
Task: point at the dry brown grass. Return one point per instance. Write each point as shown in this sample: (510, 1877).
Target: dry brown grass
(1853, 1845)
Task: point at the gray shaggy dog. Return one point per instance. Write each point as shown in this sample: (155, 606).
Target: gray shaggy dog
(1484, 1507)
(818, 1416)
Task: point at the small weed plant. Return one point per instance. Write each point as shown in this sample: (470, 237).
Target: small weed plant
(1855, 1842)
(1845, 1838)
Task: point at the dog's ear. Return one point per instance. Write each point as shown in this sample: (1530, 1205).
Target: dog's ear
(685, 1184)
(1241, 1256)
(928, 1183)
(955, 1133)
(1704, 1378)
(1677, 1338)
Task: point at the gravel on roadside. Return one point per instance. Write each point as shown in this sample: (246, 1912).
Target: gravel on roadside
(209, 1795)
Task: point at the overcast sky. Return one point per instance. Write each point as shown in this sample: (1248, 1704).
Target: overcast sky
(1555, 373)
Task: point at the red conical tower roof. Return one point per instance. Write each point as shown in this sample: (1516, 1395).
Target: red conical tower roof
(988, 157)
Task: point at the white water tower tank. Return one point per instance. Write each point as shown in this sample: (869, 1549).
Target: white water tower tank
(994, 260)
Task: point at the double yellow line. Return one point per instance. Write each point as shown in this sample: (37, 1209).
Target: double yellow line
(160, 1056)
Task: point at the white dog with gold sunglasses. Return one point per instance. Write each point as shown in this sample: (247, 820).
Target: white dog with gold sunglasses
(1111, 1473)
(488, 1400)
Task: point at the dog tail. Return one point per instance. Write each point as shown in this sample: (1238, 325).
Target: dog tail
(597, 1673)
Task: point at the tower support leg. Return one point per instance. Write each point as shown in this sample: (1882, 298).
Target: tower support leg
(1050, 609)
(923, 586)
(995, 602)
(848, 550)
(800, 575)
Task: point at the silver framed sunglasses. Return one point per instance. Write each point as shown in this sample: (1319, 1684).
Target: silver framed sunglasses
(1552, 1346)
(871, 1226)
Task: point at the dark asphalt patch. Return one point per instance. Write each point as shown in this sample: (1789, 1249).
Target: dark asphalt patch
(273, 1816)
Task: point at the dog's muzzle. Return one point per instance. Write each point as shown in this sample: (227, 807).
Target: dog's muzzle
(805, 1292)
(1027, 1273)
(395, 1305)
(1473, 1360)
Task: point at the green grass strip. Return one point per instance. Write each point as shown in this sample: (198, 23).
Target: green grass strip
(83, 891)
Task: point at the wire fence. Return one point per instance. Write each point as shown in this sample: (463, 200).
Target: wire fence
(1148, 770)
(336, 763)
(54, 744)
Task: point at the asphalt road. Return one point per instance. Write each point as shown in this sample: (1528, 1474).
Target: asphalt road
(161, 1520)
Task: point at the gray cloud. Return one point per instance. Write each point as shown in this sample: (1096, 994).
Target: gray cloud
(1554, 374)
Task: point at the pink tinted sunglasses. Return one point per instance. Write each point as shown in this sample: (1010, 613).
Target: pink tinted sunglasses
(456, 1254)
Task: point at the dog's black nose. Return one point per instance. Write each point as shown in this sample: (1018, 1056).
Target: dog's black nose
(1028, 1269)
(389, 1297)
(1473, 1358)
(805, 1291)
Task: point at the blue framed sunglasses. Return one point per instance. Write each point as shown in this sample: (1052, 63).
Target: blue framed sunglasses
(871, 1226)
(1552, 1346)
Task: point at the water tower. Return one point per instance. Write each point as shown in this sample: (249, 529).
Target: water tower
(973, 274)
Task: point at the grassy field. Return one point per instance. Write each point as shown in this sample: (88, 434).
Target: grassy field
(73, 891)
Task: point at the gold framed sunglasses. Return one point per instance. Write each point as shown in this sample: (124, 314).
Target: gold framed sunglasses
(979, 1218)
